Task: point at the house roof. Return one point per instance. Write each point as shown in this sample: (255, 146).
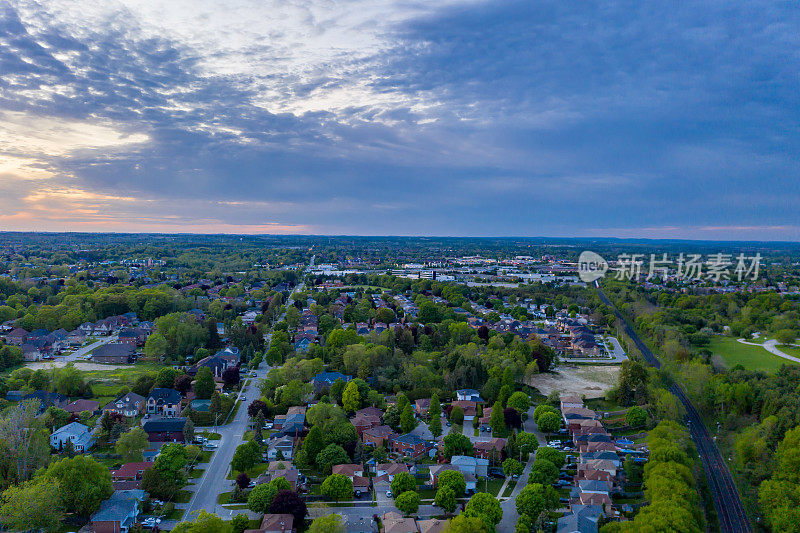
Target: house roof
(165, 395)
(379, 431)
(114, 350)
(582, 519)
(119, 506)
(73, 428)
(432, 525)
(392, 468)
(330, 377)
(348, 470)
(79, 406)
(128, 400)
(276, 522)
(164, 424)
(131, 469)
(410, 439)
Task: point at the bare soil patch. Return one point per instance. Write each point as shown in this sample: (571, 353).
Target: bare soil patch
(591, 381)
(45, 365)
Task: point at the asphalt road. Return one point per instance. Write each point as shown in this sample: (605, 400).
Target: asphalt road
(727, 501)
(213, 482)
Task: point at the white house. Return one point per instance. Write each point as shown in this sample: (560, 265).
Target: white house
(74, 432)
(471, 465)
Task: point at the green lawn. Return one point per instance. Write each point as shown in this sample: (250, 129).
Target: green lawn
(252, 473)
(175, 514)
(492, 487)
(751, 357)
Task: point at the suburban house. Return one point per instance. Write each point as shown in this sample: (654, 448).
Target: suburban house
(571, 402)
(302, 344)
(118, 513)
(390, 470)
(114, 354)
(395, 523)
(164, 429)
(363, 422)
(78, 434)
(432, 525)
(76, 338)
(284, 469)
(436, 470)
(294, 415)
(79, 406)
(348, 470)
(324, 380)
(47, 399)
(470, 395)
(469, 408)
(378, 435)
(16, 336)
(471, 465)
(581, 519)
(128, 405)
(34, 351)
(490, 448)
(129, 475)
(275, 523)
(410, 445)
(370, 411)
(164, 402)
(285, 445)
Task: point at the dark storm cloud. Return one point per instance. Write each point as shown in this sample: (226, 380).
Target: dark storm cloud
(504, 118)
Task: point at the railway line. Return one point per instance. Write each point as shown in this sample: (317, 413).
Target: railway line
(727, 501)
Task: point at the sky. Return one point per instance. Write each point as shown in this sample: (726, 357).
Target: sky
(402, 117)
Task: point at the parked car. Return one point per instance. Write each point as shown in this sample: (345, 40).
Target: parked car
(388, 494)
(210, 446)
(151, 522)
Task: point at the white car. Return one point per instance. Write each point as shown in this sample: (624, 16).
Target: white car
(388, 494)
(210, 446)
(150, 522)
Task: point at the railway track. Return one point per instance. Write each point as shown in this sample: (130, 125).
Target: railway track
(727, 501)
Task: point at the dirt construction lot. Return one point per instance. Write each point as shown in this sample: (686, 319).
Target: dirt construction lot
(581, 380)
(45, 365)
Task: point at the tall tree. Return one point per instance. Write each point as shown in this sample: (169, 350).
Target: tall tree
(131, 445)
(83, 483)
(33, 505)
(204, 385)
(351, 399)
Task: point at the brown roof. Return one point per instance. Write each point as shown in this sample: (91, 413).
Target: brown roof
(348, 470)
(434, 525)
(379, 431)
(370, 411)
(393, 468)
(79, 406)
(275, 523)
(131, 470)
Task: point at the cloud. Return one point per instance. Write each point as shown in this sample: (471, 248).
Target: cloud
(390, 116)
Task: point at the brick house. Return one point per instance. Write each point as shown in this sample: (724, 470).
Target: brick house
(164, 429)
(410, 445)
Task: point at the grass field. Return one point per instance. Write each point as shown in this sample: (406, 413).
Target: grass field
(751, 357)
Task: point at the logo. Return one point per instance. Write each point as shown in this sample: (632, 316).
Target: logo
(591, 266)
